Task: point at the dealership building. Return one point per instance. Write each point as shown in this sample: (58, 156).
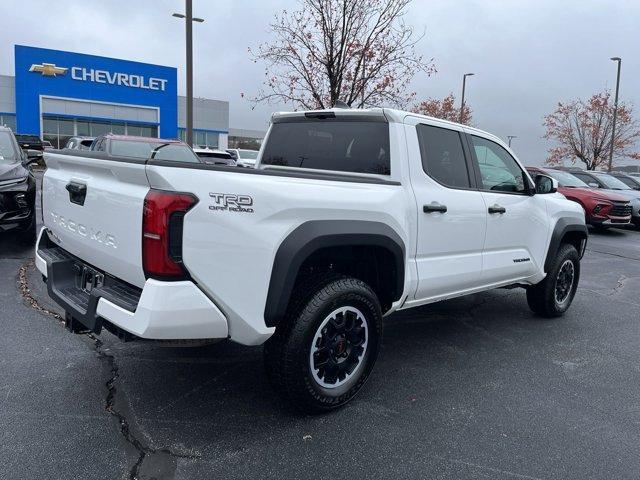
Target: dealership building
(56, 95)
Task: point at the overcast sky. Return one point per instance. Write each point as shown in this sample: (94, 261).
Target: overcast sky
(527, 54)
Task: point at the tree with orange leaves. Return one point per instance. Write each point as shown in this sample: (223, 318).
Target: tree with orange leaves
(444, 109)
(582, 132)
(359, 52)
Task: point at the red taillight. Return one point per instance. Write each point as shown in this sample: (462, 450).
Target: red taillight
(162, 220)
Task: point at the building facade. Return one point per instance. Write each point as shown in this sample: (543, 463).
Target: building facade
(56, 94)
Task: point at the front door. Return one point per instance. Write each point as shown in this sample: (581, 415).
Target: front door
(451, 213)
(517, 223)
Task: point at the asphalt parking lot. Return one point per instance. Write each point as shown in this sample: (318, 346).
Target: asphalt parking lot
(471, 388)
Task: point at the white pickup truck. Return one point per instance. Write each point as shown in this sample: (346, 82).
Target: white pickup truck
(349, 216)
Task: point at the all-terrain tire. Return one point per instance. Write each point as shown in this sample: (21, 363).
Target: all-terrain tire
(289, 353)
(553, 295)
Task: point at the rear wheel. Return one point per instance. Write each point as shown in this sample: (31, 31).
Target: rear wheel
(323, 352)
(553, 296)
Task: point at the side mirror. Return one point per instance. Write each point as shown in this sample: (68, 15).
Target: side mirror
(32, 156)
(593, 185)
(546, 184)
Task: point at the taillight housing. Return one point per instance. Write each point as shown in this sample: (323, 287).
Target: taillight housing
(162, 224)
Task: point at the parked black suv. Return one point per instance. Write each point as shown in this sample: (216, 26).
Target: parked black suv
(17, 188)
(29, 142)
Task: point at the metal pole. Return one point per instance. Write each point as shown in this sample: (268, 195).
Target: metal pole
(189, 32)
(615, 112)
(464, 84)
(511, 137)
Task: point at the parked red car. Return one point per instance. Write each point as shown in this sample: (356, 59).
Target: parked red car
(602, 209)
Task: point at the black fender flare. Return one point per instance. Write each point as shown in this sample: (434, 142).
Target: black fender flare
(314, 235)
(563, 227)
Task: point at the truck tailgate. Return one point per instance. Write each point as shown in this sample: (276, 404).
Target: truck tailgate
(94, 209)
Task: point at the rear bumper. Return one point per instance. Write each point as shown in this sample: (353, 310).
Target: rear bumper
(158, 311)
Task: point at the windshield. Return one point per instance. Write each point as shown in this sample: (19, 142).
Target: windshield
(612, 182)
(175, 152)
(7, 148)
(248, 154)
(630, 182)
(566, 179)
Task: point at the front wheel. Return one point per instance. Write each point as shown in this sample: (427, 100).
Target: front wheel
(553, 296)
(323, 352)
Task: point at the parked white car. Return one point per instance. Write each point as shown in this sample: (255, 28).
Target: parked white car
(349, 216)
(215, 157)
(244, 157)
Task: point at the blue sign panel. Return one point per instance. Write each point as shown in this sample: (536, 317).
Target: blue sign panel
(54, 73)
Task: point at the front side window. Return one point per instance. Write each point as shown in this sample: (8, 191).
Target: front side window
(342, 146)
(498, 169)
(443, 156)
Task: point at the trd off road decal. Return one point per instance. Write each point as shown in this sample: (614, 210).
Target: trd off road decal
(231, 202)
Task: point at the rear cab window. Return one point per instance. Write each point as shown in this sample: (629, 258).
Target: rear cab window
(332, 144)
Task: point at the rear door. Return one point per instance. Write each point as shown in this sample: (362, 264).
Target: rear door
(451, 212)
(517, 222)
(94, 209)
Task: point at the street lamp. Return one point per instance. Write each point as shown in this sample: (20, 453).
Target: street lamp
(511, 137)
(615, 112)
(189, 30)
(464, 83)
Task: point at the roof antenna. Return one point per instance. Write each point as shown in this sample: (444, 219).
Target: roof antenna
(341, 104)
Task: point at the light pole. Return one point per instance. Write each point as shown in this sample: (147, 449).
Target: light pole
(511, 137)
(464, 84)
(615, 112)
(189, 30)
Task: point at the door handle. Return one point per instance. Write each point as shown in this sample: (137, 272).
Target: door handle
(434, 207)
(77, 192)
(497, 209)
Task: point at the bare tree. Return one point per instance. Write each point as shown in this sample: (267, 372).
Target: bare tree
(582, 131)
(444, 109)
(357, 51)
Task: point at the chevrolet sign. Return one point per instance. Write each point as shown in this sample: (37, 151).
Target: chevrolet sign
(114, 78)
(102, 76)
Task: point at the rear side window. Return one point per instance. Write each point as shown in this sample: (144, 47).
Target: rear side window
(343, 146)
(443, 156)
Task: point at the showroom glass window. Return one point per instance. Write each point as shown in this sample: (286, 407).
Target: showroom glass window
(498, 169)
(8, 120)
(443, 156)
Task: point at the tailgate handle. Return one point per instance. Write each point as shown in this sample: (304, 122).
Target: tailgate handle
(77, 192)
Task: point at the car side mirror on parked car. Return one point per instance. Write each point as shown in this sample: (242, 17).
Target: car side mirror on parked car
(593, 185)
(546, 184)
(32, 156)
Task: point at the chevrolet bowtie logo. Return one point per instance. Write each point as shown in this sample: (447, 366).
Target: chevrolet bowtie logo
(48, 69)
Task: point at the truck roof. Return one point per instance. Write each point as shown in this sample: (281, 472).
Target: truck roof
(379, 114)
